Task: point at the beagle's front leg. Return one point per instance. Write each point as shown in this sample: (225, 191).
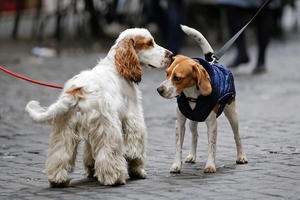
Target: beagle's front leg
(191, 158)
(212, 130)
(179, 137)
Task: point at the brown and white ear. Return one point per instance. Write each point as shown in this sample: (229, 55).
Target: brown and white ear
(203, 80)
(127, 61)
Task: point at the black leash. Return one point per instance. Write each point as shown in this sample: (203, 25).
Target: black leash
(216, 57)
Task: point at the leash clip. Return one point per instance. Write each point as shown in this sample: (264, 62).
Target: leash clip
(214, 59)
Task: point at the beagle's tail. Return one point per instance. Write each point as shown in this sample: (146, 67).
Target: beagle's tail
(201, 40)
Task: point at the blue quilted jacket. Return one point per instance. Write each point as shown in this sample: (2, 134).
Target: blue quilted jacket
(223, 91)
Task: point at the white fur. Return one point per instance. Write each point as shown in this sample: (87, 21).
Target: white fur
(106, 113)
(200, 39)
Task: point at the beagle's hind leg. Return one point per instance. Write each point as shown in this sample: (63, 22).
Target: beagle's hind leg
(232, 116)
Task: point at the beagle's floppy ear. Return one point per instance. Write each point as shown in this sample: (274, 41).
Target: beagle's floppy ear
(127, 61)
(203, 80)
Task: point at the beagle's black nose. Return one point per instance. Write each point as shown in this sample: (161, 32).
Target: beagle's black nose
(160, 90)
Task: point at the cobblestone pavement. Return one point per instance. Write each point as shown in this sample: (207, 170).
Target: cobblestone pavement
(268, 107)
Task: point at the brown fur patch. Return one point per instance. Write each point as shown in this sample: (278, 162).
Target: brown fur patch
(127, 61)
(142, 43)
(215, 109)
(232, 100)
(203, 80)
(76, 92)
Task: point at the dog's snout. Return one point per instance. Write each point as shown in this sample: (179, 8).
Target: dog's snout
(160, 90)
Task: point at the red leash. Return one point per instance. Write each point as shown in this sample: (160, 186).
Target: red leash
(30, 80)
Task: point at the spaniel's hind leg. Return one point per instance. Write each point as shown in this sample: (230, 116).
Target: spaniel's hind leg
(135, 137)
(61, 157)
(88, 160)
(108, 150)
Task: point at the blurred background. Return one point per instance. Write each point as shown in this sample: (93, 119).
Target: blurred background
(89, 24)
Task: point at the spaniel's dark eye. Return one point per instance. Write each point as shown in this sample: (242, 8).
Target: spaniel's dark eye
(175, 78)
(150, 43)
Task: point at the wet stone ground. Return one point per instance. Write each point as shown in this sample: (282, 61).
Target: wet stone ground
(268, 107)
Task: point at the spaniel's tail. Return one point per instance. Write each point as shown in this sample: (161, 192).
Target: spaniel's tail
(41, 115)
(45, 116)
(201, 40)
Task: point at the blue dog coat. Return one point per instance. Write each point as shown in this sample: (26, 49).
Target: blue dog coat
(223, 91)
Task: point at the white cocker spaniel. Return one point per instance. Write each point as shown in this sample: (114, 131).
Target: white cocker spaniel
(102, 106)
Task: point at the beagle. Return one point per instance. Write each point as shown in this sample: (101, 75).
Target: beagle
(203, 90)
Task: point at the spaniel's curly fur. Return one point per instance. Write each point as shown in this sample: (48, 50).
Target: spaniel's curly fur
(102, 107)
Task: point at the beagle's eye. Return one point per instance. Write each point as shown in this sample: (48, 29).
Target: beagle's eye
(150, 43)
(175, 78)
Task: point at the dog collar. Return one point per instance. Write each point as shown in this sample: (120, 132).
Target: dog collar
(190, 99)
